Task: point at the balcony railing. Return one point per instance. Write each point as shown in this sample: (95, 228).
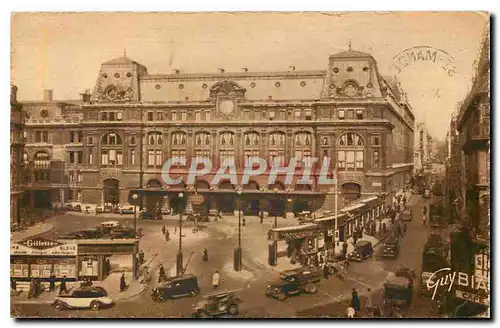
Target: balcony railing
(479, 131)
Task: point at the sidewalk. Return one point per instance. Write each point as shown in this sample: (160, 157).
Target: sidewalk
(111, 284)
(32, 231)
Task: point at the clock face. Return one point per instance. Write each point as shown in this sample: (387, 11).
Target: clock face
(111, 93)
(226, 106)
(350, 90)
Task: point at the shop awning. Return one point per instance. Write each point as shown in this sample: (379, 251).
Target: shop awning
(294, 232)
(353, 207)
(329, 221)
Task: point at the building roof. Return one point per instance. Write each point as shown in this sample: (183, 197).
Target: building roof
(120, 61)
(350, 54)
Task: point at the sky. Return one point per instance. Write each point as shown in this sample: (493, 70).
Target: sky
(63, 52)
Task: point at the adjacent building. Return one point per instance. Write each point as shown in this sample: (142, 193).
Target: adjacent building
(471, 243)
(16, 157)
(117, 137)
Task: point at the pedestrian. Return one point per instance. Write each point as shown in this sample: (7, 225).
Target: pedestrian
(62, 287)
(293, 256)
(52, 283)
(13, 284)
(355, 300)
(107, 266)
(141, 257)
(354, 239)
(261, 215)
(167, 235)
(215, 280)
(175, 230)
(376, 312)
(204, 255)
(161, 274)
(346, 263)
(123, 284)
(404, 227)
(326, 271)
(163, 230)
(351, 312)
(369, 300)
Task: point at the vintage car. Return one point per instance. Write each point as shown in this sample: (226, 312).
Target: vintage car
(391, 247)
(304, 216)
(217, 304)
(406, 215)
(83, 234)
(362, 251)
(94, 298)
(295, 282)
(74, 207)
(185, 285)
(204, 217)
(397, 294)
(126, 209)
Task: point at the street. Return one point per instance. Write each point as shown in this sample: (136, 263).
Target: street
(250, 284)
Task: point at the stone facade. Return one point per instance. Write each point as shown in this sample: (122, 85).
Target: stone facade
(118, 136)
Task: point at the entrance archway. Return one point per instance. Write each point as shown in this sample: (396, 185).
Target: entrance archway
(351, 191)
(277, 203)
(226, 202)
(301, 203)
(251, 204)
(152, 200)
(111, 191)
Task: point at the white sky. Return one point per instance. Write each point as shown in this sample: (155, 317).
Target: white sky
(63, 52)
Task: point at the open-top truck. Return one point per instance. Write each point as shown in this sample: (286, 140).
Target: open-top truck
(435, 257)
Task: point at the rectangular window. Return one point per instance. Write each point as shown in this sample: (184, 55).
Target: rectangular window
(38, 136)
(112, 157)
(359, 159)
(90, 157)
(151, 157)
(71, 157)
(71, 137)
(350, 159)
(159, 158)
(183, 116)
(119, 157)
(132, 157)
(45, 136)
(341, 114)
(208, 115)
(111, 116)
(297, 114)
(79, 157)
(376, 141)
(376, 159)
(90, 140)
(350, 114)
(341, 159)
(160, 116)
(119, 116)
(359, 114)
(79, 177)
(71, 177)
(271, 115)
(104, 158)
(308, 115)
(246, 115)
(150, 116)
(174, 116)
(104, 116)
(80, 136)
(197, 116)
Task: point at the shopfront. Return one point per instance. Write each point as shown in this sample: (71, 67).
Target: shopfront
(40, 258)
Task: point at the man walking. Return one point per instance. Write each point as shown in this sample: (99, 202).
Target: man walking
(163, 230)
(52, 283)
(161, 274)
(62, 288)
(355, 300)
(123, 284)
(141, 257)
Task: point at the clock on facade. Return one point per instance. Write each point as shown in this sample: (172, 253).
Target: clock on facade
(226, 106)
(111, 93)
(350, 90)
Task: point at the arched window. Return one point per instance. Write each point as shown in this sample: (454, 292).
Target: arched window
(251, 141)
(303, 148)
(226, 146)
(41, 166)
(155, 138)
(111, 150)
(202, 142)
(178, 144)
(155, 151)
(277, 147)
(350, 155)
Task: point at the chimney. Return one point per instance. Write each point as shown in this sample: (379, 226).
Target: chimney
(47, 95)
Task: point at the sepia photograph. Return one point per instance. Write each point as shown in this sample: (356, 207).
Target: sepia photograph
(247, 165)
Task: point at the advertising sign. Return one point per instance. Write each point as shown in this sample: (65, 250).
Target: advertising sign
(42, 247)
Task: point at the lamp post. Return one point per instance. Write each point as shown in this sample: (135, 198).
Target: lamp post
(275, 213)
(238, 251)
(180, 269)
(134, 197)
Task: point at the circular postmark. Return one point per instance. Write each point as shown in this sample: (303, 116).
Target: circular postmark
(424, 54)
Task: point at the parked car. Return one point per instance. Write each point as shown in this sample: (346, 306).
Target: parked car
(362, 251)
(74, 207)
(217, 304)
(94, 298)
(391, 247)
(406, 215)
(83, 234)
(295, 282)
(185, 285)
(126, 209)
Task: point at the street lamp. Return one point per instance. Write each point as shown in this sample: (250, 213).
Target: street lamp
(134, 197)
(180, 269)
(237, 251)
(276, 213)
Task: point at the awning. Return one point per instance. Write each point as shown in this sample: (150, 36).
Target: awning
(353, 207)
